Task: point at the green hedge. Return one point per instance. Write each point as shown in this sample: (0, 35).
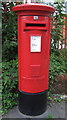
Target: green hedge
(57, 66)
(9, 84)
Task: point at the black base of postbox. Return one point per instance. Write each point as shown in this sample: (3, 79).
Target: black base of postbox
(32, 104)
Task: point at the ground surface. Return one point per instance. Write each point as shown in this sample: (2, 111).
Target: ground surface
(54, 110)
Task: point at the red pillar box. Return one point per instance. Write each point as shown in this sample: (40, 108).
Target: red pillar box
(33, 56)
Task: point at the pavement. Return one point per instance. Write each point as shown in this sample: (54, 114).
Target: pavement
(54, 110)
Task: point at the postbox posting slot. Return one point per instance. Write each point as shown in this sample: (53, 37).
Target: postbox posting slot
(40, 26)
(35, 25)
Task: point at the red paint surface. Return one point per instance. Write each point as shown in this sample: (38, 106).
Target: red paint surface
(33, 68)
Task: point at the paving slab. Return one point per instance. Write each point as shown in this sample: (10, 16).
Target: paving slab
(54, 110)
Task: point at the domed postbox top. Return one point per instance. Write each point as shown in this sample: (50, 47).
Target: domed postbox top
(33, 7)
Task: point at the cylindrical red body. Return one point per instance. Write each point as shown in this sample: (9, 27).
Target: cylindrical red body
(33, 66)
(33, 47)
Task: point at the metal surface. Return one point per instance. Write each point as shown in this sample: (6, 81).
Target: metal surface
(33, 54)
(33, 67)
(32, 104)
(33, 9)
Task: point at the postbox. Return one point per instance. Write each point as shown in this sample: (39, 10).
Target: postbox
(33, 56)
